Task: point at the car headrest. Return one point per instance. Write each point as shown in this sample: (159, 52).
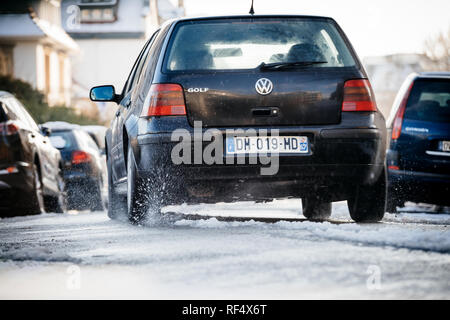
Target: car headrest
(428, 104)
(195, 59)
(305, 52)
(277, 57)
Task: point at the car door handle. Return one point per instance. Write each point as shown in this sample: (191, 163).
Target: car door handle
(265, 112)
(128, 103)
(117, 113)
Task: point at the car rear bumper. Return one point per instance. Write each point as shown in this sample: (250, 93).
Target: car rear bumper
(340, 159)
(419, 186)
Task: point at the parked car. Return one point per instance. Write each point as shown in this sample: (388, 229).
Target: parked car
(82, 166)
(418, 158)
(30, 168)
(98, 134)
(296, 74)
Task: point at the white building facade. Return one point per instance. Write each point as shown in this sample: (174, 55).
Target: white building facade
(35, 48)
(110, 35)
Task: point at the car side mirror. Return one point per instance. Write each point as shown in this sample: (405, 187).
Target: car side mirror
(46, 132)
(103, 93)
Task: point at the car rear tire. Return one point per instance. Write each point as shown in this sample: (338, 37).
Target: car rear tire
(315, 209)
(37, 197)
(369, 201)
(117, 205)
(138, 191)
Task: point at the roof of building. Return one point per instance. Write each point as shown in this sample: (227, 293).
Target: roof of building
(23, 26)
(19, 26)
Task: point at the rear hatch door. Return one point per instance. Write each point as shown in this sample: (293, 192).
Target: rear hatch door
(307, 97)
(424, 143)
(261, 71)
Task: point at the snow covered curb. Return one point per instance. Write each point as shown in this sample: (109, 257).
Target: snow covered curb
(373, 234)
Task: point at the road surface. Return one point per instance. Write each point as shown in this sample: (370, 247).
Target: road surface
(86, 255)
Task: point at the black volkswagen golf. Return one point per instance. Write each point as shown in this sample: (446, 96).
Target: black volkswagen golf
(246, 108)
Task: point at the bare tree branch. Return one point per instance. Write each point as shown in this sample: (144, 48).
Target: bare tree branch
(437, 49)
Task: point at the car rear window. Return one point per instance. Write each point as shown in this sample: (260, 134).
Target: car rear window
(62, 140)
(228, 44)
(6, 111)
(429, 101)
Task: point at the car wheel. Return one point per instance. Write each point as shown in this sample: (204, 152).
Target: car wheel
(315, 209)
(37, 197)
(137, 192)
(117, 205)
(369, 201)
(58, 204)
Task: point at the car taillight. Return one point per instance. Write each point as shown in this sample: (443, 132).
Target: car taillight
(9, 128)
(358, 96)
(398, 120)
(164, 100)
(9, 170)
(80, 157)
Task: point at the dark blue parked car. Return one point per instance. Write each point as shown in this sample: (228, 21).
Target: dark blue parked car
(418, 158)
(82, 166)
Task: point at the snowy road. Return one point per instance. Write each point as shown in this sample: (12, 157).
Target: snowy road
(86, 255)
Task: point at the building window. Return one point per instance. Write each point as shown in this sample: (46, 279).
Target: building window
(97, 15)
(98, 11)
(6, 60)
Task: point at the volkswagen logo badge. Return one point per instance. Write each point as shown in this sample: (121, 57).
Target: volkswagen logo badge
(264, 86)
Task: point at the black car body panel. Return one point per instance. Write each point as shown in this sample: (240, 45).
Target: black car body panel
(301, 97)
(357, 149)
(346, 148)
(305, 98)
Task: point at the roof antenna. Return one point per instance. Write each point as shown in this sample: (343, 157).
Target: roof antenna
(252, 12)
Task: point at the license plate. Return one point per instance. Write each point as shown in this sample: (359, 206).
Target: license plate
(446, 146)
(255, 145)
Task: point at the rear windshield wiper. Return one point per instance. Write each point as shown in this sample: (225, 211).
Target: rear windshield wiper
(283, 65)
